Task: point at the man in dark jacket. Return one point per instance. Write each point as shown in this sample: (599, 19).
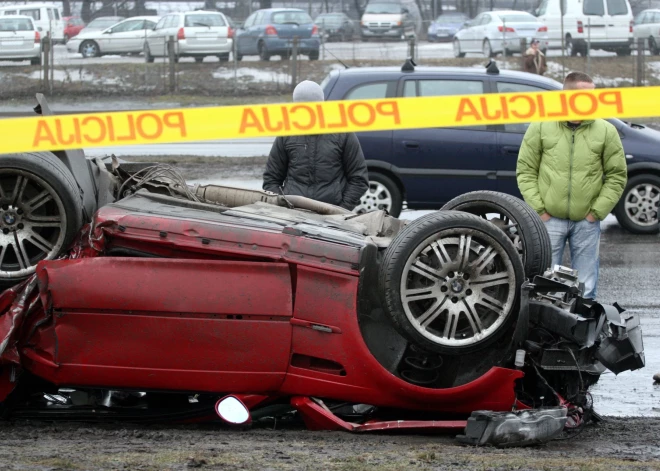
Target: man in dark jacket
(327, 167)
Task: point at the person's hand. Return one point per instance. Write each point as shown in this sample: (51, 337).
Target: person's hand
(590, 217)
(545, 217)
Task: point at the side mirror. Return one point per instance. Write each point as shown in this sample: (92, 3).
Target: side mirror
(233, 411)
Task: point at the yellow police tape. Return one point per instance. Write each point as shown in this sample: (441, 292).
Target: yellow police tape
(200, 124)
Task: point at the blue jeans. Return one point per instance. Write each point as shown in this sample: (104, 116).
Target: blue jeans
(584, 241)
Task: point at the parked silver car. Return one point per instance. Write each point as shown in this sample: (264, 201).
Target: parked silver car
(499, 31)
(196, 33)
(19, 39)
(125, 37)
(647, 26)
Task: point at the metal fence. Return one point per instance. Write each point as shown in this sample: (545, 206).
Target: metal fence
(125, 71)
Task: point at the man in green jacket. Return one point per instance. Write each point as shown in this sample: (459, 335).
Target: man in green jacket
(573, 174)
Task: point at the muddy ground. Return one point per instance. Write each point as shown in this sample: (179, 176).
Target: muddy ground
(616, 444)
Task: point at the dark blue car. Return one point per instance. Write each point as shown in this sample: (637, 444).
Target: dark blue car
(270, 32)
(428, 167)
(445, 26)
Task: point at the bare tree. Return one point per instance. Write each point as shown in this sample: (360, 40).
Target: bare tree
(66, 7)
(86, 11)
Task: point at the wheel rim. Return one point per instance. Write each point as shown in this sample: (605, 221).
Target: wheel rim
(457, 49)
(377, 197)
(458, 287)
(641, 204)
(89, 50)
(32, 221)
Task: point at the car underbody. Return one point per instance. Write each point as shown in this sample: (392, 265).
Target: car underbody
(172, 297)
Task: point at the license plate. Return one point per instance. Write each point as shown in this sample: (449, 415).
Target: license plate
(206, 36)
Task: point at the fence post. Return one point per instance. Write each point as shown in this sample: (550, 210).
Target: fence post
(235, 57)
(640, 62)
(523, 49)
(294, 63)
(45, 51)
(171, 56)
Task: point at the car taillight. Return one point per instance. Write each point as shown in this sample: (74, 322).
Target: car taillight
(543, 29)
(181, 34)
(37, 37)
(501, 29)
(271, 31)
(631, 26)
(315, 30)
(230, 32)
(580, 27)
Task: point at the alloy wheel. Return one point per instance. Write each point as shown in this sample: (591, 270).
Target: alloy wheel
(32, 220)
(377, 197)
(641, 204)
(458, 287)
(89, 49)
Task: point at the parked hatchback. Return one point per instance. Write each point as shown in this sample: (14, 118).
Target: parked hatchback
(72, 26)
(429, 167)
(126, 37)
(19, 39)
(499, 32)
(270, 32)
(47, 18)
(197, 34)
(446, 26)
(647, 26)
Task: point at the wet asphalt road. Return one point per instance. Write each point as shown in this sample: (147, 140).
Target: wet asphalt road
(629, 273)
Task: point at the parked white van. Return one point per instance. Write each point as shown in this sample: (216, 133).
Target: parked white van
(609, 21)
(47, 18)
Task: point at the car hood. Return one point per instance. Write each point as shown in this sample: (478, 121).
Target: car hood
(367, 17)
(89, 34)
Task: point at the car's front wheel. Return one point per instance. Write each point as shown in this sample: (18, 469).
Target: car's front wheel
(89, 49)
(487, 48)
(383, 194)
(457, 49)
(653, 46)
(40, 212)
(264, 55)
(451, 282)
(637, 210)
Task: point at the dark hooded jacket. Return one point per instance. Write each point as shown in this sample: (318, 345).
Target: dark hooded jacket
(328, 168)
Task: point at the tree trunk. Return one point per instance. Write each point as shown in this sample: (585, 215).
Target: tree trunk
(265, 4)
(66, 8)
(86, 11)
(359, 8)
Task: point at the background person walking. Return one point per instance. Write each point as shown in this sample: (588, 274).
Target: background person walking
(326, 167)
(573, 174)
(534, 59)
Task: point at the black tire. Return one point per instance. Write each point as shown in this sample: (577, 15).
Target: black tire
(457, 49)
(314, 56)
(532, 241)
(264, 55)
(239, 57)
(45, 174)
(395, 270)
(36, 60)
(148, 58)
(199, 60)
(223, 57)
(623, 52)
(635, 222)
(90, 49)
(369, 201)
(487, 49)
(653, 47)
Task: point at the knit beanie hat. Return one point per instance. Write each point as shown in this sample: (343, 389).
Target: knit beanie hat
(308, 91)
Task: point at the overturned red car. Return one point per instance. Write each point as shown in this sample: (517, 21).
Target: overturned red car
(172, 297)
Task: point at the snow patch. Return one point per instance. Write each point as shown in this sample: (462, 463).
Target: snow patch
(80, 76)
(255, 75)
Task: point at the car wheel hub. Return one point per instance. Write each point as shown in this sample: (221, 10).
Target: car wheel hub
(32, 223)
(641, 204)
(377, 197)
(458, 288)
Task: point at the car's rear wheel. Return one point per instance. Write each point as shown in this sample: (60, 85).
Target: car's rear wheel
(451, 282)
(314, 56)
(637, 210)
(264, 55)
(199, 60)
(487, 49)
(223, 57)
(457, 49)
(383, 194)
(90, 49)
(40, 212)
(522, 225)
(623, 52)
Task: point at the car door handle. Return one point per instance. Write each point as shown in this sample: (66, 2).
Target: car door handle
(411, 144)
(513, 150)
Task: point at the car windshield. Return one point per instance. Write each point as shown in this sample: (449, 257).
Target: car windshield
(518, 18)
(291, 17)
(383, 9)
(205, 20)
(15, 24)
(102, 23)
(446, 19)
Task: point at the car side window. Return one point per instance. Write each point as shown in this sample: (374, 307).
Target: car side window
(617, 7)
(372, 91)
(259, 19)
(51, 13)
(641, 19)
(485, 20)
(35, 14)
(655, 18)
(161, 23)
(510, 87)
(421, 88)
(593, 7)
(250, 21)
